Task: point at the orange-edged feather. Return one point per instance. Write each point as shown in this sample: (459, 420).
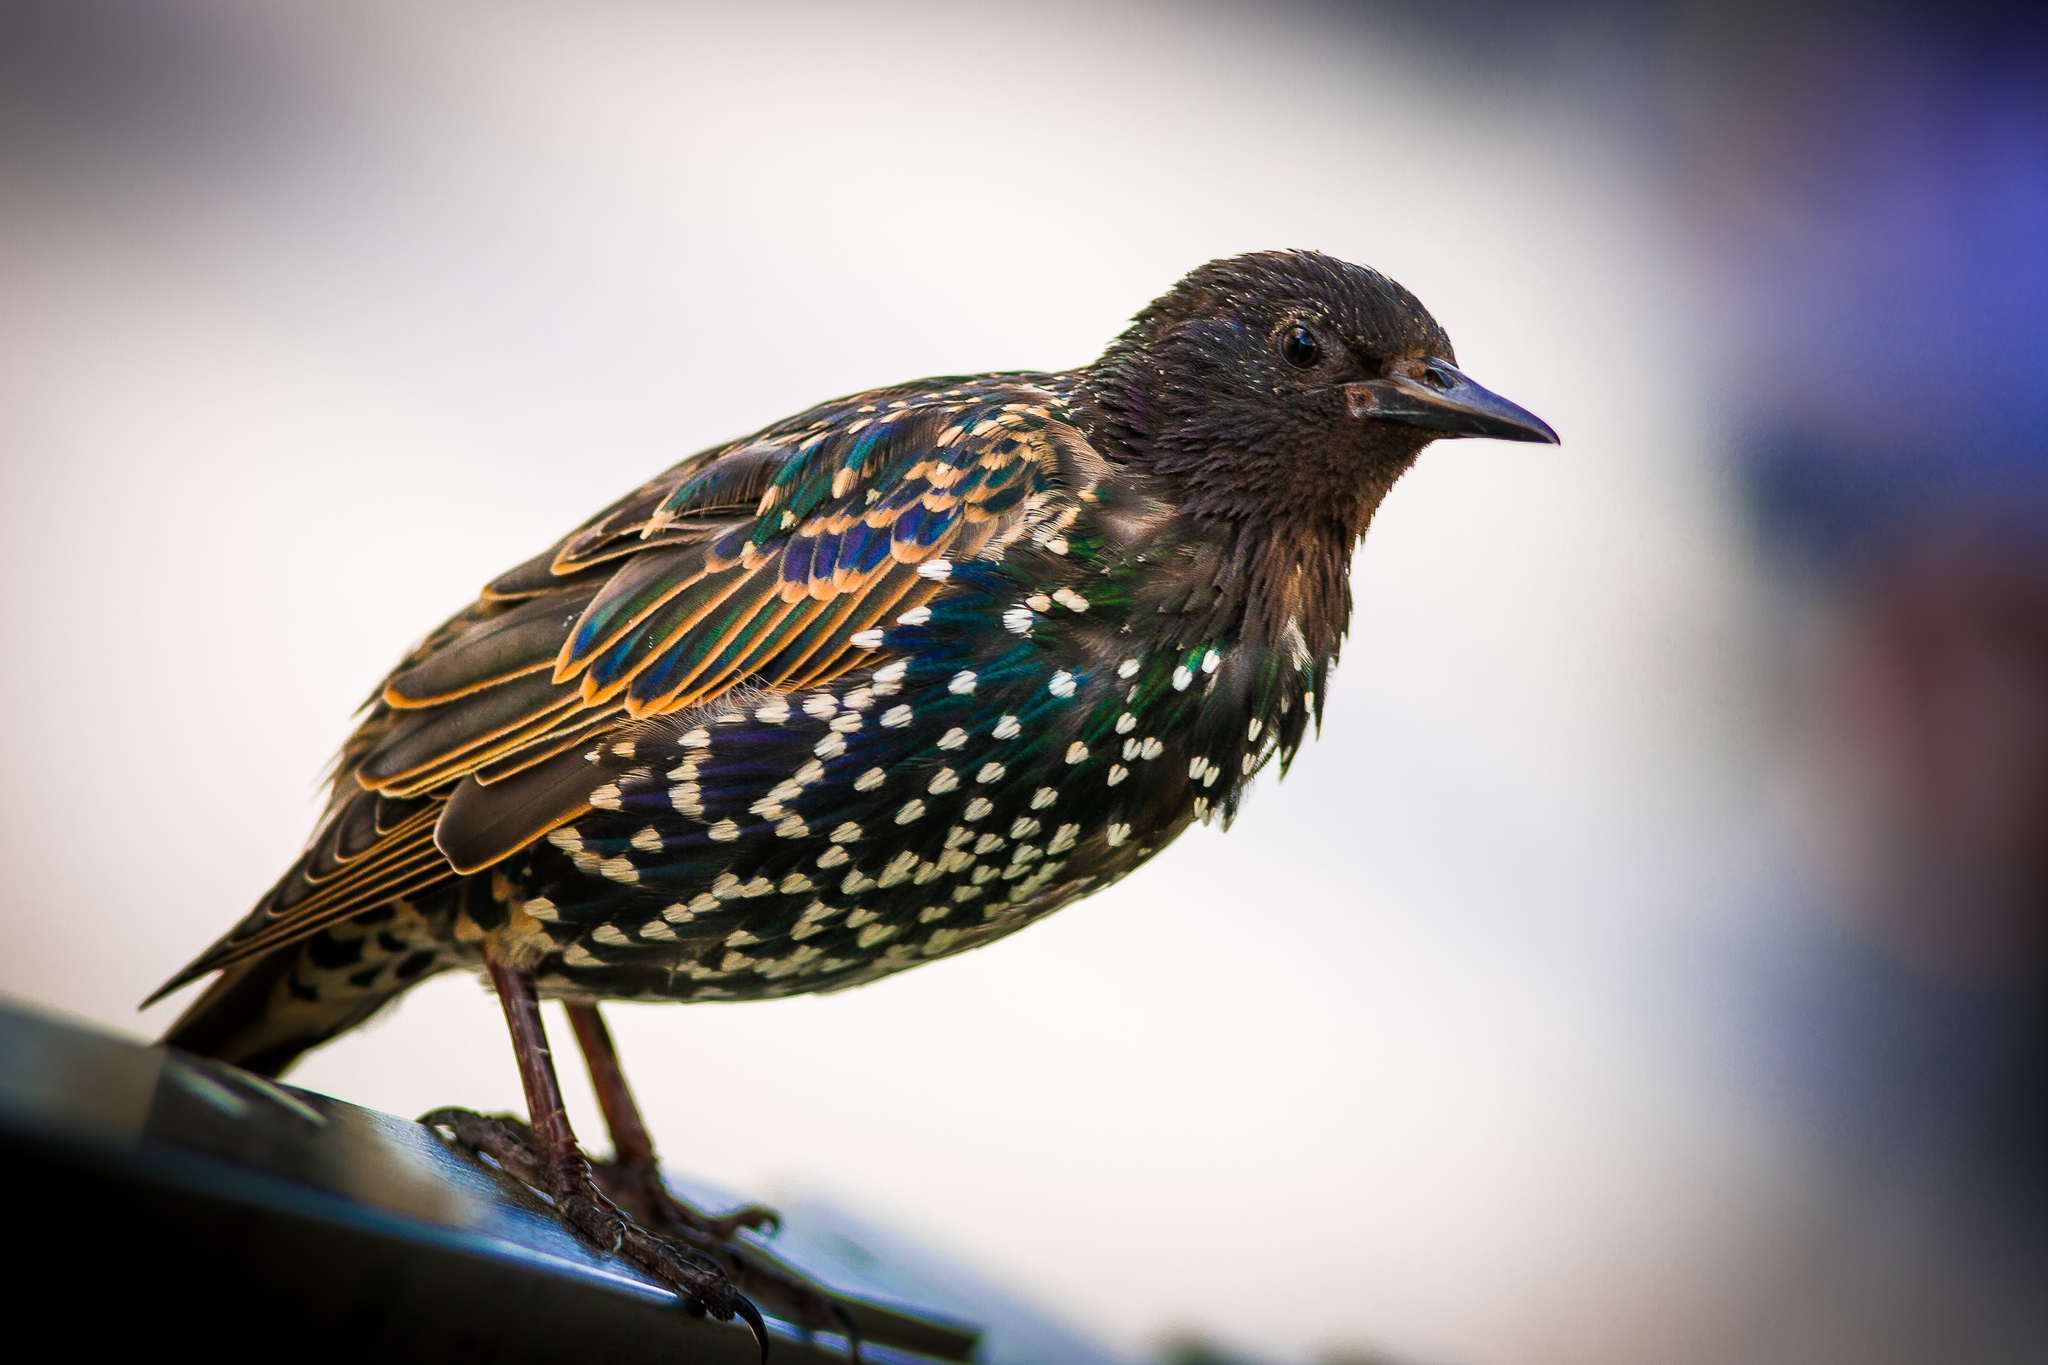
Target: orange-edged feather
(758, 564)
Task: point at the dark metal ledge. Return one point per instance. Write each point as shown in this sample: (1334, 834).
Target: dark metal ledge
(222, 1212)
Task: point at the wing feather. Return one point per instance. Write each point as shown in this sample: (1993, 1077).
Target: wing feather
(522, 640)
(756, 564)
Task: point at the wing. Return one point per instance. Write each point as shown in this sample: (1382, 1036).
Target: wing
(768, 563)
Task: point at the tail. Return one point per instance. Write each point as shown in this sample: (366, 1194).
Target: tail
(264, 1014)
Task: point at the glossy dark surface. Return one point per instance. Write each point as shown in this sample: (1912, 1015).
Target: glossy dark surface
(339, 1232)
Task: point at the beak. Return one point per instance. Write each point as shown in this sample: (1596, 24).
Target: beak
(1432, 393)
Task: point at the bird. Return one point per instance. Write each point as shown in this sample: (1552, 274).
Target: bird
(879, 684)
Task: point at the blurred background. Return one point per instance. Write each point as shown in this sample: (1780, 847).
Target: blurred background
(1648, 961)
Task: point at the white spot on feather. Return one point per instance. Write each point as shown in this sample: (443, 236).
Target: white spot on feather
(962, 682)
(1076, 751)
(1007, 728)
(869, 780)
(865, 639)
(916, 616)
(912, 810)
(953, 738)
(1062, 684)
(937, 569)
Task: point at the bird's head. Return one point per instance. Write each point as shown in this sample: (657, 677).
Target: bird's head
(1289, 384)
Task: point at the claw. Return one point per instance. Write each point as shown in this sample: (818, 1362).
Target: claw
(743, 1309)
(755, 1217)
(695, 1254)
(852, 1332)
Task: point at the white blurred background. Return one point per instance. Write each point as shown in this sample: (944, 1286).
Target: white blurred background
(314, 320)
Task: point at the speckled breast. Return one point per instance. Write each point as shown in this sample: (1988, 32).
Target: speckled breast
(1023, 748)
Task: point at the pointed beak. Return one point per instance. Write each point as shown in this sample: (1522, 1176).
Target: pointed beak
(1434, 394)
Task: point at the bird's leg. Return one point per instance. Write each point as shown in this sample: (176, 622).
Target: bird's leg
(546, 1157)
(633, 1176)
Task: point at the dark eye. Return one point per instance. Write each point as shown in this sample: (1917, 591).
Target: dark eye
(1299, 348)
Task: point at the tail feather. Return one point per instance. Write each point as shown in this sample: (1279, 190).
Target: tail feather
(259, 1016)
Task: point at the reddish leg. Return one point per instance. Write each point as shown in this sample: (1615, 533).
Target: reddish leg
(633, 1176)
(548, 1159)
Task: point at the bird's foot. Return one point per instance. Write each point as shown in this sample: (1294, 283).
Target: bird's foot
(637, 1187)
(701, 1283)
(691, 1251)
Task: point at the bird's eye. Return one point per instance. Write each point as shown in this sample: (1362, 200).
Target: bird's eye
(1299, 348)
(1437, 378)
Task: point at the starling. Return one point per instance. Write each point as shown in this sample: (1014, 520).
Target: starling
(878, 684)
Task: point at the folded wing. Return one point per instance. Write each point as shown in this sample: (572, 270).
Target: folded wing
(769, 563)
